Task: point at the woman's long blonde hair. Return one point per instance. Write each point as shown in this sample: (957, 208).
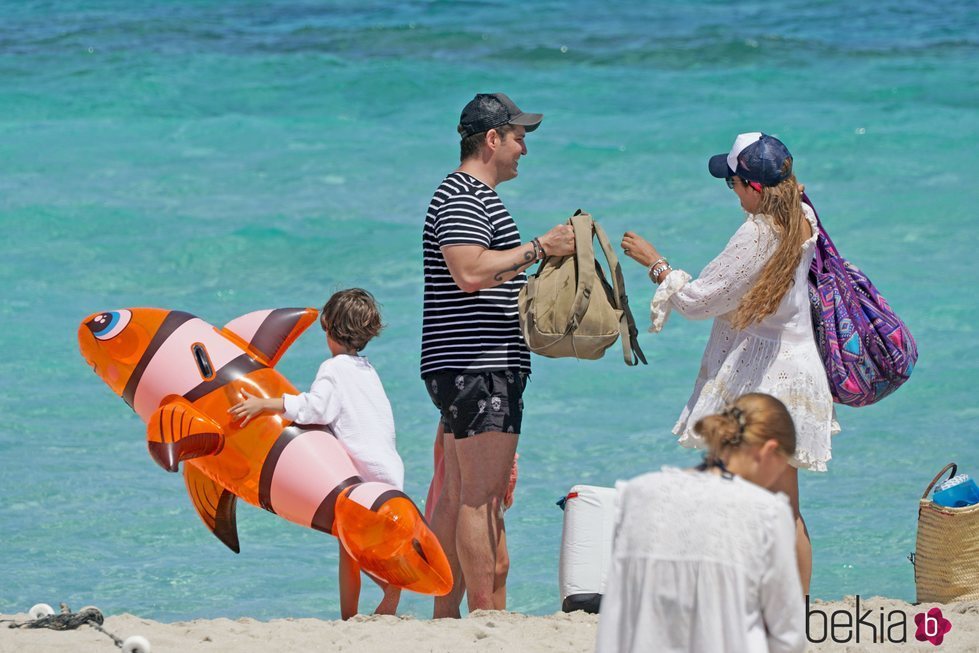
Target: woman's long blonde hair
(782, 203)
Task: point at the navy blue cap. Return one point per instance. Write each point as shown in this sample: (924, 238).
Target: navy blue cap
(754, 157)
(487, 111)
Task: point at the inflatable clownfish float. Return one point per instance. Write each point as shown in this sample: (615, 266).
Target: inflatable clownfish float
(180, 375)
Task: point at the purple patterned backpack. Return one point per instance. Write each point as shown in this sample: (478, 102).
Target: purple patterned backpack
(867, 350)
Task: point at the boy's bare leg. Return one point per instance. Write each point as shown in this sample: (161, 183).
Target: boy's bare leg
(444, 522)
(484, 462)
(349, 584)
(389, 602)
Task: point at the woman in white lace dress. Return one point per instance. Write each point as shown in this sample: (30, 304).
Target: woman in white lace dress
(756, 291)
(704, 561)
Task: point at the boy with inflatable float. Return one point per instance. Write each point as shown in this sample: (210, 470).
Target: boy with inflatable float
(347, 396)
(184, 378)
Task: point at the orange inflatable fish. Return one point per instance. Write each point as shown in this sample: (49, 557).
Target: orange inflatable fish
(180, 375)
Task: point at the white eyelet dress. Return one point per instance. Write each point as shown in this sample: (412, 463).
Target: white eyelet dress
(777, 355)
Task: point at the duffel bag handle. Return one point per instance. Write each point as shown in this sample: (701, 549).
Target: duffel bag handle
(951, 466)
(584, 251)
(631, 351)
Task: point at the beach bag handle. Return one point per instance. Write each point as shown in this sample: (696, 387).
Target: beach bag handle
(951, 466)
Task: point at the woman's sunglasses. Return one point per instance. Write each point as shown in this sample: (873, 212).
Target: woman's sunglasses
(753, 184)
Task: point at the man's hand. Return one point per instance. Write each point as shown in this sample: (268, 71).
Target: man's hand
(559, 241)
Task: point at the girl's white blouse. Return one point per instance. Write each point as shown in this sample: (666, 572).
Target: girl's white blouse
(701, 563)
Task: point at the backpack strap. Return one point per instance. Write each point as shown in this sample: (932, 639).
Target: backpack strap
(631, 351)
(531, 290)
(585, 255)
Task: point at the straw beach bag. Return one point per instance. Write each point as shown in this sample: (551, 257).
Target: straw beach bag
(946, 560)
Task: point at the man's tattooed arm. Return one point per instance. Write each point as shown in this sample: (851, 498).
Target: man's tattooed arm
(528, 260)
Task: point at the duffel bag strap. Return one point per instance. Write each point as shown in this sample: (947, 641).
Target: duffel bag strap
(584, 255)
(631, 351)
(528, 322)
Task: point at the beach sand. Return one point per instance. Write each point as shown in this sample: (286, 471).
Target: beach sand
(482, 631)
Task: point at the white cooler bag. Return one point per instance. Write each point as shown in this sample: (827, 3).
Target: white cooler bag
(586, 546)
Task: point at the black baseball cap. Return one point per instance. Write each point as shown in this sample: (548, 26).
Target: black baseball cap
(487, 111)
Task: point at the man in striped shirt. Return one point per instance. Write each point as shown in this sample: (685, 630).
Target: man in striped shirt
(474, 361)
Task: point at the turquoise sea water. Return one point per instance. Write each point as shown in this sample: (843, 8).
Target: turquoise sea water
(220, 158)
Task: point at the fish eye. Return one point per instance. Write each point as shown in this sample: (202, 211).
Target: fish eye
(108, 325)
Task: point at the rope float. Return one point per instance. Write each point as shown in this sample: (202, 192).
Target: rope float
(42, 615)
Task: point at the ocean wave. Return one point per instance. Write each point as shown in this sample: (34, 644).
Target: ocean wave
(627, 34)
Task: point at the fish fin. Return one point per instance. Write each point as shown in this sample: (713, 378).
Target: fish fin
(266, 335)
(215, 506)
(177, 431)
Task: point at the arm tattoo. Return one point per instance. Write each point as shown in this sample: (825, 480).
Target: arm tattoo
(528, 258)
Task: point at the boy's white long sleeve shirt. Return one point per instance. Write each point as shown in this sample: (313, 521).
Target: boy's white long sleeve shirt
(347, 396)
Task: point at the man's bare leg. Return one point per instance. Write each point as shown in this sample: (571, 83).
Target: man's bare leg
(484, 462)
(444, 520)
(502, 570)
(502, 553)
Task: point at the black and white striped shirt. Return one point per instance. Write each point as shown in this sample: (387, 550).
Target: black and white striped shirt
(469, 331)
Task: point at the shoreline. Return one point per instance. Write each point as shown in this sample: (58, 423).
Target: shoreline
(482, 631)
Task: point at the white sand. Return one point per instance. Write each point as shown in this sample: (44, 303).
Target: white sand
(483, 631)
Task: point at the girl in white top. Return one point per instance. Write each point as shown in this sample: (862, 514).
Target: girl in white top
(704, 560)
(347, 396)
(757, 292)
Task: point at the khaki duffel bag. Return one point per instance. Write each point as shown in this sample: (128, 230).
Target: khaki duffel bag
(568, 309)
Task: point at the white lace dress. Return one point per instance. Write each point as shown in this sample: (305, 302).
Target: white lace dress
(701, 563)
(777, 355)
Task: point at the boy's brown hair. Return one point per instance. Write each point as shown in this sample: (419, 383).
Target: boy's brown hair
(351, 318)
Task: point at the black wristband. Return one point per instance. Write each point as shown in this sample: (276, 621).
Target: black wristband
(538, 246)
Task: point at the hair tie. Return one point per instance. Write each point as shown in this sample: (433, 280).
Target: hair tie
(737, 415)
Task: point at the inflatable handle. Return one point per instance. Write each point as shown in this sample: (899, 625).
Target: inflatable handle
(40, 611)
(136, 644)
(954, 469)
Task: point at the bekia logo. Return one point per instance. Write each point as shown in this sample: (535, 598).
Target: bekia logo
(932, 626)
(873, 626)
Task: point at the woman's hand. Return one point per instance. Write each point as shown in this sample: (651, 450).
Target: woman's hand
(253, 406)
(639, 249)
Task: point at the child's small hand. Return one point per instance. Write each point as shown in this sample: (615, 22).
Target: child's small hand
(253, 406)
